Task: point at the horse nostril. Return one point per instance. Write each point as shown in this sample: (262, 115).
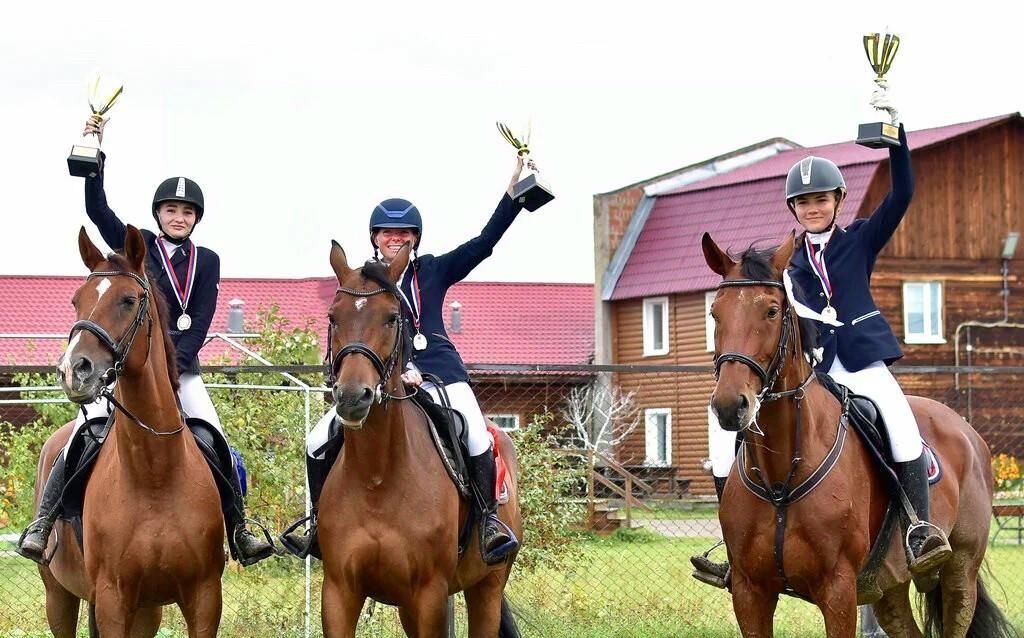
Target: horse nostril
(82, 368)
(367, 395)
(743, 402)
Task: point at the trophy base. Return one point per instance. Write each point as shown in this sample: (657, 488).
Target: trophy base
(84, 161)
(878, 135)
(531, 193)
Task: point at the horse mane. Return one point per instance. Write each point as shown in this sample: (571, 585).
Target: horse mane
(377, 272)
(756, 263)
(121, 262)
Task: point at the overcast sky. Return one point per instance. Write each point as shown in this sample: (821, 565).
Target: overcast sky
(297, 118)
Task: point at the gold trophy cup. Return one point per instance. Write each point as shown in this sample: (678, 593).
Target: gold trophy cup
(84, 160)
(530, 191)
(881, 51)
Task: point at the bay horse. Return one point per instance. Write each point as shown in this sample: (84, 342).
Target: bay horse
(152, 528)
(817, 546)
(389, 515)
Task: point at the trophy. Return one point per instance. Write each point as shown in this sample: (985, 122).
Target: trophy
(530, 191)
(84, 160)
(881, 51)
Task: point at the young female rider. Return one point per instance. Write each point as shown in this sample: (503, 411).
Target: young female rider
(188, 277)
(424, 285)
(833, 267)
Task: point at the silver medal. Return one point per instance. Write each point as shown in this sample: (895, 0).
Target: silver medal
(419, 341)
(184, 322)
(829, 313)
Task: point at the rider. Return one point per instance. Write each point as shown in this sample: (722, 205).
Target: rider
(424, 285)
(189, 275)
(834, 265)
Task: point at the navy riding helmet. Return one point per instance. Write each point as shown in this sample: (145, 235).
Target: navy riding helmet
(396, 213)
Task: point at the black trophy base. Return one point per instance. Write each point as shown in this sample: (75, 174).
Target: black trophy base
(84, 161)
(878, 135)
(531, 193)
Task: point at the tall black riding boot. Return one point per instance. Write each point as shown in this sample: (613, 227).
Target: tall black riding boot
(497, 541)
(927, 546)
(706, 570)
(32, 544)
(305, 543)
(250, 547)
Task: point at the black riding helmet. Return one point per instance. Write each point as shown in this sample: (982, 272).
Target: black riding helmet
(396, 213)
(178, 189)
(814, 175)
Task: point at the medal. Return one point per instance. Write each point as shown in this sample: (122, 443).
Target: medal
(817, 259)
(419, 341)
(829, 313)
(182, 292)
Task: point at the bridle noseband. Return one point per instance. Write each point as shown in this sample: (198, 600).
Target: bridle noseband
(120, 348)
(384, 368)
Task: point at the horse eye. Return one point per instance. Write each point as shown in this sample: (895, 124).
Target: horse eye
(128, 301)
(392, 319)
(773, 312)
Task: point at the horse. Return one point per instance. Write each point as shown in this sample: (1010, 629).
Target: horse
(389, 515)
(151, 526)
(810, 534)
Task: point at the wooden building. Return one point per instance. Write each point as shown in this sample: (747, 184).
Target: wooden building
(941, 282)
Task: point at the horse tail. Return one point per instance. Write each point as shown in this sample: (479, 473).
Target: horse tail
(507, 628)
(988, 621)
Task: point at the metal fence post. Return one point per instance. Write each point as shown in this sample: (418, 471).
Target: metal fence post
(869, 624)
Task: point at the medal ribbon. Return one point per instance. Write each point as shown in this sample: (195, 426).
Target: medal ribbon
(417, 301)
(817, 259)
(182, 292)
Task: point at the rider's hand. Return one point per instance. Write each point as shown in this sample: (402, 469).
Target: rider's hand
(95, 128)
(412, 377)
(516, 172)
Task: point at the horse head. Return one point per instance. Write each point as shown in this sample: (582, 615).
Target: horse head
(756, 329)
(366, 331)
(113, 308)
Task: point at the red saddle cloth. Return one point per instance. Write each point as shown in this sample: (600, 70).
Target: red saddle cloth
(499, 464)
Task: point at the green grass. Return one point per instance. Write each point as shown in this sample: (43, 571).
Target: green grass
(632, 585)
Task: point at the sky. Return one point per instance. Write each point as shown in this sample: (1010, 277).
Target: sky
(297, 118)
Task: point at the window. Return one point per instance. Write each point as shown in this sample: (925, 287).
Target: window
(655, 326)
(922, 312)
(506, 422)
(658, 431)
(709, 322)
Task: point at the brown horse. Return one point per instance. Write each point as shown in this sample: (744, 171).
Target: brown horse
(152, 527)
(817, 547)
(390, 516)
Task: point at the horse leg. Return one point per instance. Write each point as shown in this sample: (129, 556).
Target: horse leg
(959, 583)
(894, 613)
(483, 605)
(754, 608)
(340, 608)
(838, 604)
(427, 615)
(114, 613)
(61, 608)
(202, 608)
(147, 622)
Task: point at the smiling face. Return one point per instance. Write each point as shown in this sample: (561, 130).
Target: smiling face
(177, 218)
(816, 211)
(390, 240)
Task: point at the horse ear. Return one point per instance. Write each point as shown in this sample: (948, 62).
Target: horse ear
(784, 253)
(91, 255)
(399, 263)
(339, 262)
(718, 260)
(135, 248)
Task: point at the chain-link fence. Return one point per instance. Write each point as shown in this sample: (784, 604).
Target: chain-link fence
(630, 443)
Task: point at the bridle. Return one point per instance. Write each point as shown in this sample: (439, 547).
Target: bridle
(121, 347)
(384, 368)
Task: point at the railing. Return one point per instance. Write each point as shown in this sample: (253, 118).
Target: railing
(594, 476)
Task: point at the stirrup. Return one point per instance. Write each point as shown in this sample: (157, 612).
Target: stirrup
(43, 559)
(243, 528)
(294, 548)
(500, 553)
(931, 559)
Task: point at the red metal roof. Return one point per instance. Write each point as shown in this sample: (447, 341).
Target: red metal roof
(530, 323)
(742, 207)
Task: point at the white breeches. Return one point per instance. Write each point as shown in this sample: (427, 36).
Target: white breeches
(874, 381)
(195, 402)
(462, 398)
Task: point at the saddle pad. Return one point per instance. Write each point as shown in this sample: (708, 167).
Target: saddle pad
(499, 463)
